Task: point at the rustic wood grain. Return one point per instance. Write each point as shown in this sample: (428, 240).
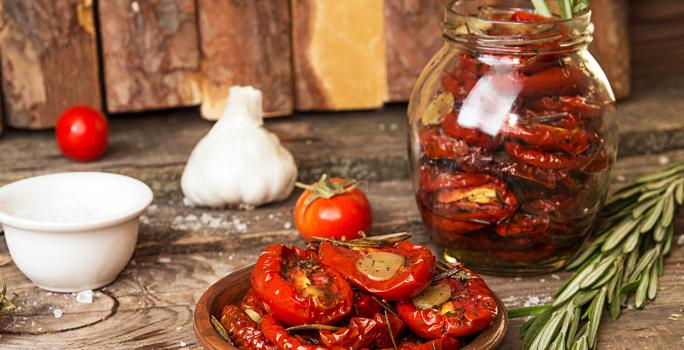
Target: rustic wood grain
(49, 59)
(245, 43)
(657, 38)
(339, 54)
(150, 305)
(150, 53)
(413, 33)
(611, 43)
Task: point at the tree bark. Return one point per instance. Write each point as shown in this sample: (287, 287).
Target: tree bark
(611, 43)
(151, 54)
(413, 34)
(49, 59)
(245, 42)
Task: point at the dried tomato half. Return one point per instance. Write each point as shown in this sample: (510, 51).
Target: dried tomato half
(457, 306)
(394, 272)
(365, 333)
(296, 288)
(242, 330)
(474, 198)
(365, 305)
(444, 343)
(277, 334)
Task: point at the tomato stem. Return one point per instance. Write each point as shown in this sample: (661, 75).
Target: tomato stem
(389, 328)
(326, 188)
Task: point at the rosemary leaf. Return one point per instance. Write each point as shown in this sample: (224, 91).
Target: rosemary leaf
(595, 318)
(640, 296)
(653, 283)
(527, 311)
(652, 216)
(597, 273)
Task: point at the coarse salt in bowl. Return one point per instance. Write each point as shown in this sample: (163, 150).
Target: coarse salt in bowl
(69, 232)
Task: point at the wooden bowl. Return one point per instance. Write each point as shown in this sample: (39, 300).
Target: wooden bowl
(231, 289)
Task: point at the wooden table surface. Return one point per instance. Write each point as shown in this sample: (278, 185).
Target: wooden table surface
(182, 250)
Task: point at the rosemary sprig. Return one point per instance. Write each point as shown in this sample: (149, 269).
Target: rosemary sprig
(625, 258)
(568, 8)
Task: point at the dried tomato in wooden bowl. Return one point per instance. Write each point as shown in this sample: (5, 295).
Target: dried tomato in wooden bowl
(367, 293)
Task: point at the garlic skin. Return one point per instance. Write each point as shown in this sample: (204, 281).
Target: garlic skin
(239, 162)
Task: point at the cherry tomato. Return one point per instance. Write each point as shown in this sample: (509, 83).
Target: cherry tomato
(82, 133)
(296, 289)
(332, 208)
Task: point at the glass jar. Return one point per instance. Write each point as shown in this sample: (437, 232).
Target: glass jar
(512, 137)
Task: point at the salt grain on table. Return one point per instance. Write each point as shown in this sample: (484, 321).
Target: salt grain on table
(554, 276)
(531, 301)
(152, 209)
(164, 259)
(182, 343)
(680, 240)
(85, 297)
(58, 313)
(287, 225)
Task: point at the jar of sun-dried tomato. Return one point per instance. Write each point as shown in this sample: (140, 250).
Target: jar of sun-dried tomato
(512, 137)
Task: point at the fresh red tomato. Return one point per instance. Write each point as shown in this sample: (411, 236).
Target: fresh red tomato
(296, 289)
(82, 133)
(458, 305)
(332, 208)
(395, 272)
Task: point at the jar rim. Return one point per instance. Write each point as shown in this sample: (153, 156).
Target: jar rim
(451, 9)
(460, 14)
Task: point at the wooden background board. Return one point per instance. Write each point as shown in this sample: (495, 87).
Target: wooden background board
(182, 250)
(150, 54)
(610, 46)
(245, 43)
(657, 38)
(49, 59)
(339, 54)
(413, 34)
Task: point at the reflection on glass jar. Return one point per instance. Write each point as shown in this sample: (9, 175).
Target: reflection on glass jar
(512, 137)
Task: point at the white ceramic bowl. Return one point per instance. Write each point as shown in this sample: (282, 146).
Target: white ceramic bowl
(69, 232)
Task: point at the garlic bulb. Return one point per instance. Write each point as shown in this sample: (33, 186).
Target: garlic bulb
(239, 162)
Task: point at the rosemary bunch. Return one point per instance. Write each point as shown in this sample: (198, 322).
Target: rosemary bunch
(626, 258)
(568, 8)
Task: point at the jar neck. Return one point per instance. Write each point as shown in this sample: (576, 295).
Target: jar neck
(478, 26)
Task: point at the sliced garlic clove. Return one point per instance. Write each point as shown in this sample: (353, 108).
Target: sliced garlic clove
(433, 296)
(380, 266)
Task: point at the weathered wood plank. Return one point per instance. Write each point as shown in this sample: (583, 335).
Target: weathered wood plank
(657, 38)
(413, 33)
(49, 60)
(150, 53)
(611, 43)
(339, 54)
(245, 43)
